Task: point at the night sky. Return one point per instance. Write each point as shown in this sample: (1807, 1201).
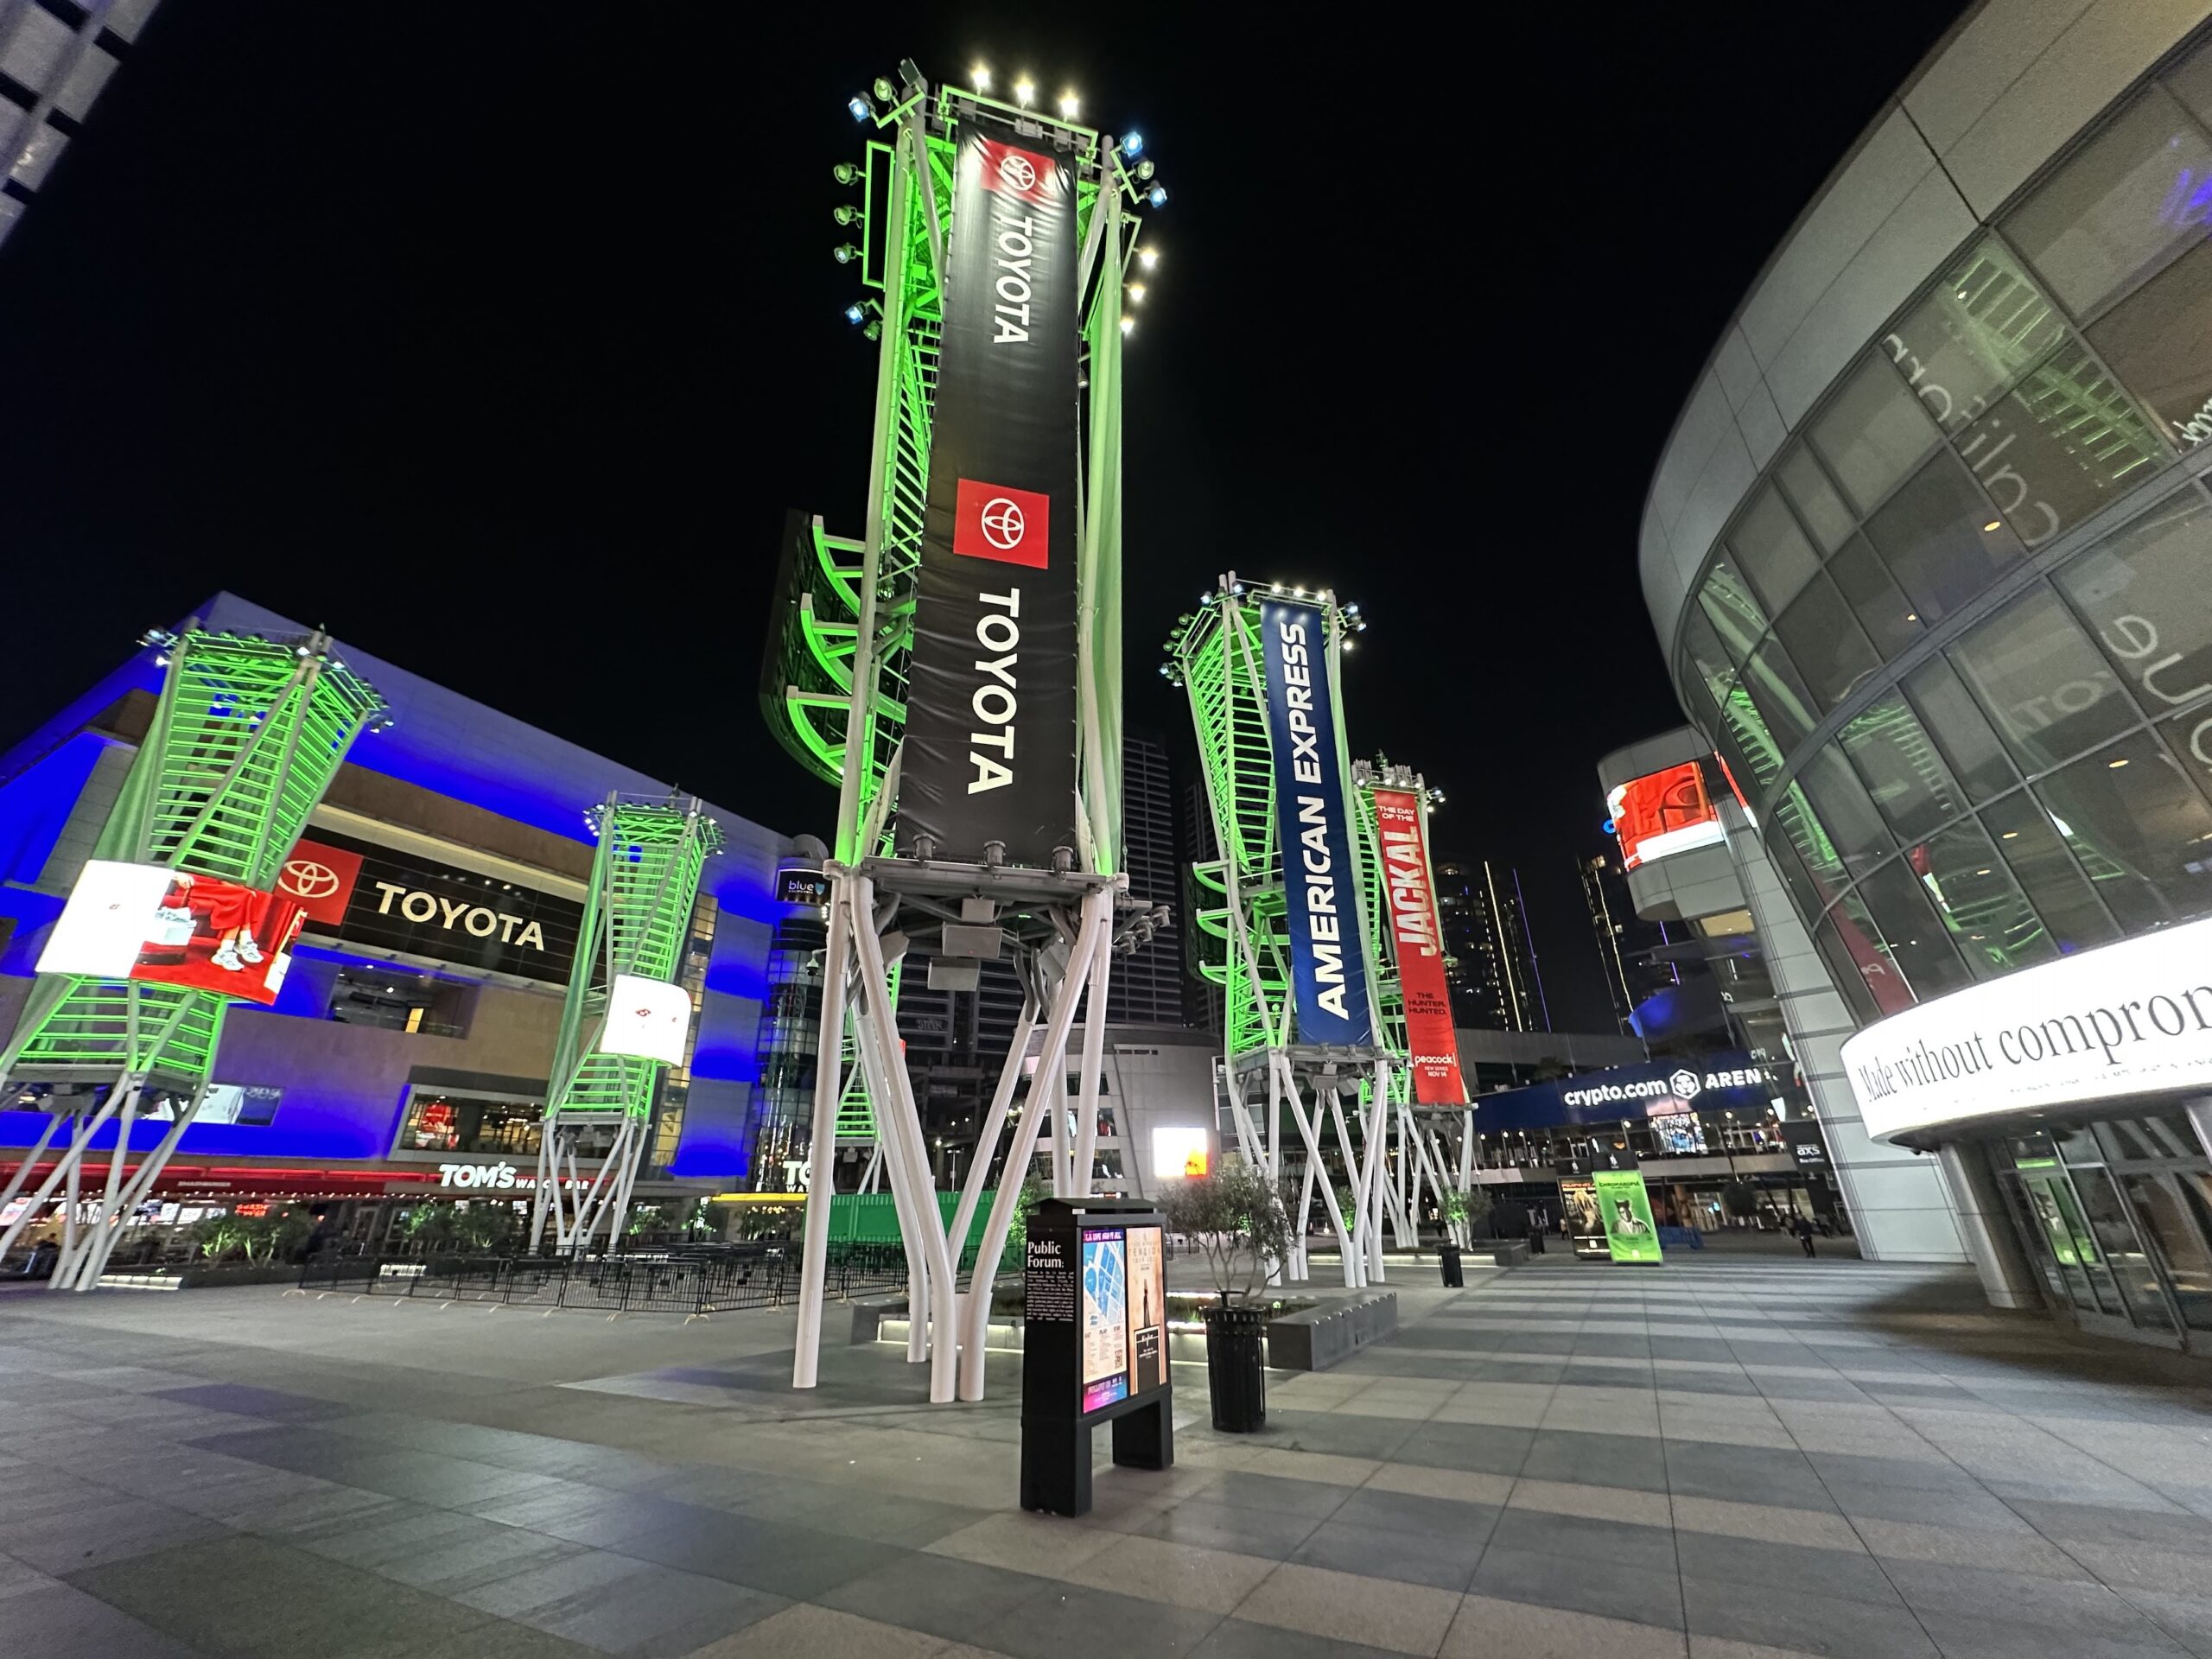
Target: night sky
(497, 340)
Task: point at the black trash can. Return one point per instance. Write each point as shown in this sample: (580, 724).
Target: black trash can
(1236, 1372)
(1454, 1277)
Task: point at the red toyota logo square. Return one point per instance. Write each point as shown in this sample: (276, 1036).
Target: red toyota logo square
(995, 521)
(1020, 173)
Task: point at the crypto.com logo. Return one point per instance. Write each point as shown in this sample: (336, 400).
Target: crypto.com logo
(1685, 1084)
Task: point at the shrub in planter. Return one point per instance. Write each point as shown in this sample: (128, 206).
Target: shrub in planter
(1237, 1219)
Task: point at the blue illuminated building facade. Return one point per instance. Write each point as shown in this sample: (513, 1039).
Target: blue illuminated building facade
(405, 1043)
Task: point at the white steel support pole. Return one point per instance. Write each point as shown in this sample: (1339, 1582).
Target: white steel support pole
(80, 1138)
(1346, 1254)
(1094, 1056)
(822, 1142)
(1059, 1019)
(987, 1142)
(894, 1158)
(1361, 1177)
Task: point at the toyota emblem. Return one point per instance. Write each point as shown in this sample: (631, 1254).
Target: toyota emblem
(1003, 523)
(305, 879)
(1018, 171)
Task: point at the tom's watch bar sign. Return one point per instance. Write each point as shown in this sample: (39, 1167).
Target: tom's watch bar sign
(991, 712)
(365, 894)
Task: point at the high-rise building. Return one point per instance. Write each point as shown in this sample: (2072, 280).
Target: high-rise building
(54, 58)
(1490, 959)
(1147, 988)
(1632, 953)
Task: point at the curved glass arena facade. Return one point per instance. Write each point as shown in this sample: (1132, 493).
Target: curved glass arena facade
(1930, 548)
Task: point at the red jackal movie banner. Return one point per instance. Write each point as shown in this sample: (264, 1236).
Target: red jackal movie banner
(1419, 937)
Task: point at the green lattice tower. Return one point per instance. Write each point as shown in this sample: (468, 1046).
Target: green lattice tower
(644, 885)
(245, 739)
(899, 210)
(1215, 654)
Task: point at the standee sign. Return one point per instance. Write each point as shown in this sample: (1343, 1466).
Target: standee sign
(2125, 1020)
(1328, 962)
(1433, 1048)
(991, 695)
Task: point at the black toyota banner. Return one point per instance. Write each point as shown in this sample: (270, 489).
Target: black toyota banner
(990, 750)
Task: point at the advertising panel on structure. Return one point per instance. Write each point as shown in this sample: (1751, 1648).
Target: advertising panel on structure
(1429, 1037)
(648, 1019)
(1328, 956)
(367, 895)
(169, 927)
(1105, 1318)
(1578, 1218)
(1147, 1310)
(990, 745)
(1624, 1206)
(1663, 812)
(2129, 1019)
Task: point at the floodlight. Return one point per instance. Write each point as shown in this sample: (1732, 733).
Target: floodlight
(980, 76)
(856, 313)
(1128, 325)
(846, 214)
(1133, 144)
(1136, 292)
(1144, 169)
(874, 330)
(1148, 257)
(1069, 105)
(844, 253)
(860, 106)
(1158, 196)
(845, 173)
(1024, 90)
(884, 92)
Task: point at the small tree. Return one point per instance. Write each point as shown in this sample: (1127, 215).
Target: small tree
(1740, 1198)
(219, 1235)
(1237, 1218)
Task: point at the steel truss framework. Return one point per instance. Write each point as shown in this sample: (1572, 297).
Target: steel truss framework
(245, 738)
(839, 704)
(1363, 1095)
(644, 885)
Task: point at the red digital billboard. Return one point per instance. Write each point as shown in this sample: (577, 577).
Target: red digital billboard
(170, 927)
(1662, 813)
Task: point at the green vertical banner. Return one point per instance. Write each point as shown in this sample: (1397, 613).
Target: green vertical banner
(1625, 1207)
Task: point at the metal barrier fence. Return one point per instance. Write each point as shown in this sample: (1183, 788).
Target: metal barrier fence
(716, 1280)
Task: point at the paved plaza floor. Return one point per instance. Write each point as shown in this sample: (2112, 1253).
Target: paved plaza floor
(1724, 1459)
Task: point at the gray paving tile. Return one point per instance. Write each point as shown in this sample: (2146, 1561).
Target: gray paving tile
(274, 1404)
(1629, 1460)
(1849, 1575)
(1315, 1497)
(1438, 1558)
(1222, 1526)
(946, 1597)
(1585, 1539)
(655, 1613)
(1448, 1517)
(1339, 1434)
(1745, 1474)
(1962, 1635)
(1851, 1468)
(1236, 1639)
(1479, 1447)
(1797, 1622)
(1074, 1622)
(802, 1563)
(2023, 1599)
(61, 1619)
(1583, 1587)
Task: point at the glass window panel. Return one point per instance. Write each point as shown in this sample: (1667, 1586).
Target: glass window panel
(2146, 594)
(1992, 924)
(1975, 334)
(1826, 643)
(2161, 1135)
(1840, 806)
(1873, 433)
(2124, 1254)
(1919, 943)
(1746, 745)
(1780, 693)
(2122, 205)
(2054, 885)
(1844, 973)
(1902, 772)
(2175, 1212)
(1711, 665)
(1818, 505)
(1976, 757)
(2158, 342)
(1733, 610)
(1772, 550)
(1882, 610)
(2138, 828)
(2061, 444)
(1802, 852)
(1941, 540)
(2042, 681)
(1861, 941)
(2190, 737)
